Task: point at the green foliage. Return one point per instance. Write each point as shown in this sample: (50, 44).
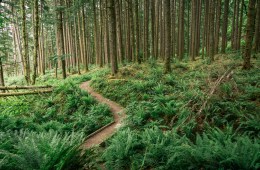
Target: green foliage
(163, 117)
(156, 149)
(119, 154)
(46, 150)
(164, 128)
(68, 109)
(45, 132)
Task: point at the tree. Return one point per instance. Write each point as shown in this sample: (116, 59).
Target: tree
(36, 41)
(168, 44)
(224, 26)
(249, 33)
(112, 35)
(211, 30)
(25, 59)
(137, 25)
(146, 29)
(96, 33)
(80, 34)
(217, 30)
(119, 30)
(181, 29)
(60, 44)
(2, 82)
(257, 29)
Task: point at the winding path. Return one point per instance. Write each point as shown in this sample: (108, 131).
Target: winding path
(104, 133)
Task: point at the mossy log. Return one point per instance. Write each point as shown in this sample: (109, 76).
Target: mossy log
(25, 93)
(23, 87)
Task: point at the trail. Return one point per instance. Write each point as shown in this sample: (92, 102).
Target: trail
(118, 113)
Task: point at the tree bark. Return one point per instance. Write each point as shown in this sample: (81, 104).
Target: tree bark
(2, 82)
(137, 25)
(168, 45)
(112, 35)
(225, 26)
(26, 62)
(146, 29)
(36, 41)
(249, 33)
(181, 30)
(211, 31)
(60, 48)
(217, 31)
(257, 29)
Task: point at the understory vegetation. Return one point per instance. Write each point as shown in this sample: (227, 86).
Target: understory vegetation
(181, 80)
(46, 131)
(168, 127)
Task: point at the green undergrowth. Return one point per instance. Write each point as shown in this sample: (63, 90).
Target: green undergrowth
(41, 150)
(172, 104)
(67, 109)
(155, 149)
(46, 131)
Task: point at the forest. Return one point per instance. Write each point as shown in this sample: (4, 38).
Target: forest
(129, 84)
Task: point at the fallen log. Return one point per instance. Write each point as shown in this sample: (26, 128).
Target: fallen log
(25, 93)
(22, 87)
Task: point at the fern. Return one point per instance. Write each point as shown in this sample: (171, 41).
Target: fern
(47, 150)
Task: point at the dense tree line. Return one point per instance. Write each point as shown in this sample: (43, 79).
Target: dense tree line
(41, 35)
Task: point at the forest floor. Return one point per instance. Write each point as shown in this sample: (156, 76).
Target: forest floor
(105, 132)
(201, 116)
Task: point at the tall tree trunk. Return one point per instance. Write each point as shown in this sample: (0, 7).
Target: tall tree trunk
(77, 52)
(96, 32)
(146, 29)
(168, 46)
(217, 31)
(100, 63)
(205, 31)
(193, 29)
(36, 41)
(84, 40)
(26, 62)
(132, 30)
(60, 47)
(212, 32)
(128, 32)
(157, 28)
(153, 27)
(233, 25)
(162, 43)
(237, 25)
(225, 26)
(119, 31)
(43, 43)
(137, 25)
(2, 82)
(249, 33)
(240, 25)
(257, 29)
(106, 38)
(181, 30)
(81, 51)
(173, 18)
(112, 35)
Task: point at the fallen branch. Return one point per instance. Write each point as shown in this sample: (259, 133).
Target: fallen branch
(25, 93)
(22, 87)
(227, 74)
